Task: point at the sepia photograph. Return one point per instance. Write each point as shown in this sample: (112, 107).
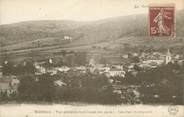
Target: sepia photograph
(71, 58)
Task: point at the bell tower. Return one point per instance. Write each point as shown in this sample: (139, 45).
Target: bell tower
(168, 57)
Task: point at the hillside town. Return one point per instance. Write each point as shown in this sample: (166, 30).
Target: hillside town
(119, 83)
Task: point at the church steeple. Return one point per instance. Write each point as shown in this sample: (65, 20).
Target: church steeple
(168, 57)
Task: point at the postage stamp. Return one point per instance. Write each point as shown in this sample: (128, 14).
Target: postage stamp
(162, 20)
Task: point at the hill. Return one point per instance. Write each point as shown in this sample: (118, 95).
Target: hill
(51, 36)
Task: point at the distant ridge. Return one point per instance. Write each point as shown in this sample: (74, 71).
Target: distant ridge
(50, 34)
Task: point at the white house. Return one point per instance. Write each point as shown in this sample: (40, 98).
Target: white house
(67, 37)
(63, 69)
(59, 83)
(81, 69)
(113, 72)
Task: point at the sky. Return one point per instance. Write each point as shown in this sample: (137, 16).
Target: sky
(12, 11)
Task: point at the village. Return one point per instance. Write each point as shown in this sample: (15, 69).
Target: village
(114, 75)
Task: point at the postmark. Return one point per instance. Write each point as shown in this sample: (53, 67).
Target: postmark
(162, 20)
(173, 110)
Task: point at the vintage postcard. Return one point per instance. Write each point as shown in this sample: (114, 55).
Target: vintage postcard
(95, 58)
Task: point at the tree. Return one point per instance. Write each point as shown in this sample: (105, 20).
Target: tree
(7, 68)
(40, 90)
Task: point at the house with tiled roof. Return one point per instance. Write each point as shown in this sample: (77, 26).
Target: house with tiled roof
(8, 86)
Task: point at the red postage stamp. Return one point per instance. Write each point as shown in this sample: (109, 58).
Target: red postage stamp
(162, 20)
